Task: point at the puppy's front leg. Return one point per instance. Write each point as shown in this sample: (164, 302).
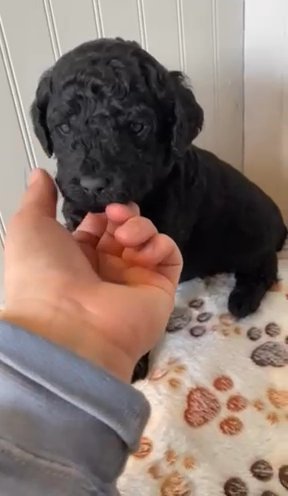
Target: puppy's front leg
(72, 216)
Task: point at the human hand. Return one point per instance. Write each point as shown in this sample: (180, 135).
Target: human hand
(105, 292)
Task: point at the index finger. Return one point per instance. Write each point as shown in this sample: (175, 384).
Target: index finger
(117, 215)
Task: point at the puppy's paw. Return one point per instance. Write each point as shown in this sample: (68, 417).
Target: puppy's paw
(244, 301)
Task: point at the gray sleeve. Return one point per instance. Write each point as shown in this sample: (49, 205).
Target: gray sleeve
(66, 427)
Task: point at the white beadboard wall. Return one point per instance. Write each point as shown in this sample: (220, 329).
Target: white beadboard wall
(266, 97)
(240, 78)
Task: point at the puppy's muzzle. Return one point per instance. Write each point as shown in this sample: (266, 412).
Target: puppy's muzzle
(94, 185)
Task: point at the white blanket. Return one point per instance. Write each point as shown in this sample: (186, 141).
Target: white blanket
(219, 396)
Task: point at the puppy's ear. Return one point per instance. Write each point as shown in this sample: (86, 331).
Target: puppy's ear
(39, 111)
(188, 115)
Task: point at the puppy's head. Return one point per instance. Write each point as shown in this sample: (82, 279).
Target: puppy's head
(115, 120)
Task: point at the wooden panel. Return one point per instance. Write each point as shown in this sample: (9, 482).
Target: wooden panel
(121, 18)
(266, 97)
(31, 53)
(228, 79)
(13, 153)
(74, 22)
(199, 62)
(162, 15)
(213, 67)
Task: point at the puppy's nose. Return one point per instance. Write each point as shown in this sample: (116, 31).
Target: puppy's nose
(93, 184)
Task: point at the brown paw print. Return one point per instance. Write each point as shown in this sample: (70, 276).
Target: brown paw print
(283, 476)
(202, 319)
(261, 470)
(145, 448)
(277, 398)
(203, 406)
(270, 353)
(227, 325)
(176, 485)
(170, 471)
(235, 487)
(171, 372)
(179, 319)
(196, 303)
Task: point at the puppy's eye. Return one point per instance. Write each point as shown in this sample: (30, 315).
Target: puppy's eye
(64, 128)
(136, 127)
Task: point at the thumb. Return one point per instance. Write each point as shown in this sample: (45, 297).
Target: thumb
(41, 195)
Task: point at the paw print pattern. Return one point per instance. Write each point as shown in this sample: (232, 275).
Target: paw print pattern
(261, 470)
(203, 406)
(171, 372)
(204, 320)
(231, 426)
(272, 330)
(227, 325)
(254, 333)
(197, 331)
(235, 487)
(196, 303)
(283, 476)
(270, 353)
(223, 383)
(179, 319)
(171, 472)
(145, 448)
(176, 485)
(278, 399)
(201, 318)
(237, 403)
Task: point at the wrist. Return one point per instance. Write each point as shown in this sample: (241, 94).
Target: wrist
(67, 325)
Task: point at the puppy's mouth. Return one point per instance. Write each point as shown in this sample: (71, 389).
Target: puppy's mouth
(99, 201)
(96, 202)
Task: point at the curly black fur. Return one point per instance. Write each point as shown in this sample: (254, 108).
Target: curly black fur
(121, 127)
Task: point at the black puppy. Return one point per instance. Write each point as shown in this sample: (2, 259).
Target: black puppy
(121, 127)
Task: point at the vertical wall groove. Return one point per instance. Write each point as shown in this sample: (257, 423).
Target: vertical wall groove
(2, 230)
(216, 59)
(142, 24)
(181, 35)
(52, 28)
(98, 18)
(16, 96)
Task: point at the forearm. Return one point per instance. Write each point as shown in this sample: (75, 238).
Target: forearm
(66, 427)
